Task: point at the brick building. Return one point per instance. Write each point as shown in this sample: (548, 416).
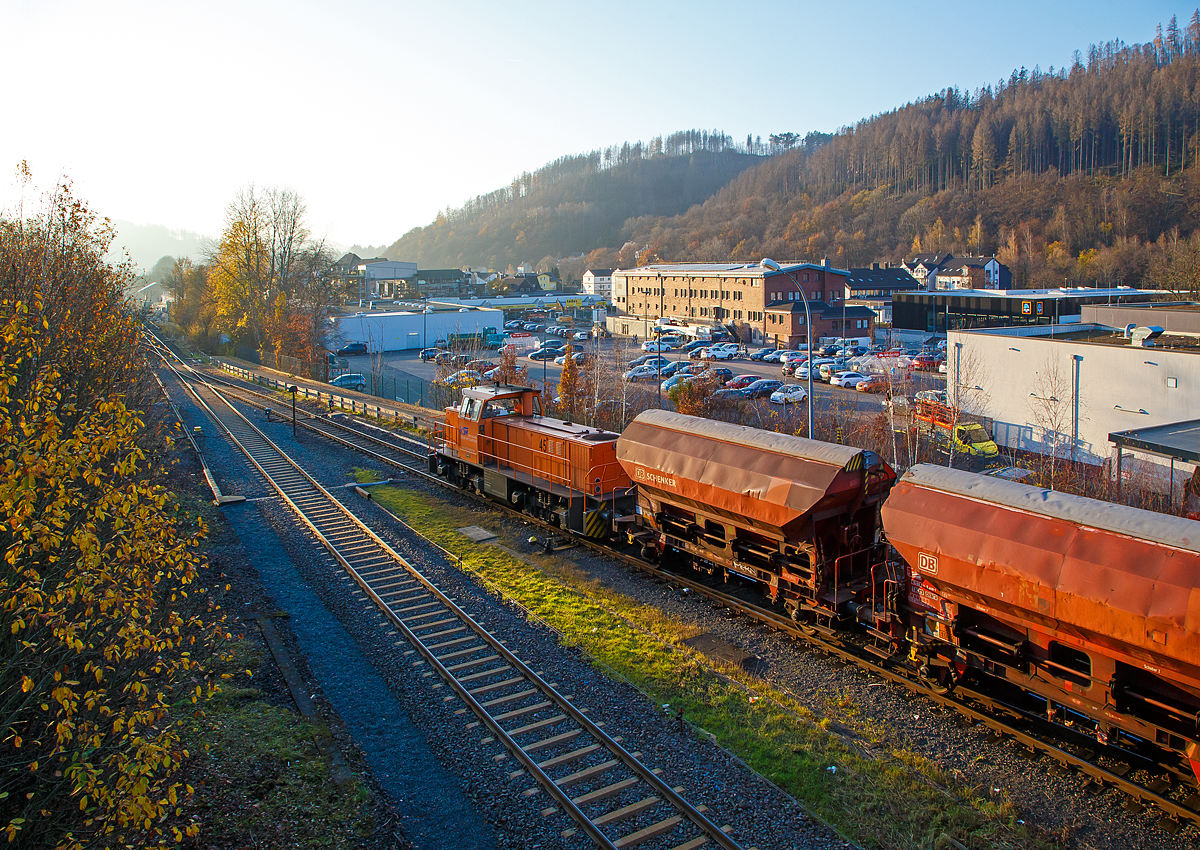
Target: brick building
(751, 301)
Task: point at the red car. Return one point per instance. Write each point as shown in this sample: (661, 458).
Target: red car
(741, 381)
(926, 362)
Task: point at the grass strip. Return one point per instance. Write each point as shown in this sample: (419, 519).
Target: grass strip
(900, 801)
(259, 777)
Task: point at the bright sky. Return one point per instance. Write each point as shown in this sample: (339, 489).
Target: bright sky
(380, 113)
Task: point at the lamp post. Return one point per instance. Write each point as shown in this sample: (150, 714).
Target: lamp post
(768, 263)
(292, 388)
(658, 352)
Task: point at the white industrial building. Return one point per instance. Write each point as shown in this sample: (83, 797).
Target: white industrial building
(405, 329)
(1064, 389)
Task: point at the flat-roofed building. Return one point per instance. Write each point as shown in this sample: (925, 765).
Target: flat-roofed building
(1063, 389)
(938, 312)
(731, 296)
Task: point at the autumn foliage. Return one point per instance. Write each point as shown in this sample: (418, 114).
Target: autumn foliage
(105, 631)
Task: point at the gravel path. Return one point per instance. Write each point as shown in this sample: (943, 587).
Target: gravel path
(425, 753)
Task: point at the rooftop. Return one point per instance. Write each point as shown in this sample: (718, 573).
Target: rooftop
(1179, 440)
(1092, 334)
(724, 269)
(1030, 294)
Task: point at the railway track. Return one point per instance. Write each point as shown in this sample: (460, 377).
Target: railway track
(611, 796)
(1169, 790)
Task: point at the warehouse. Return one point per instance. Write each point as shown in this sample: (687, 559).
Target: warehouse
(404, 329)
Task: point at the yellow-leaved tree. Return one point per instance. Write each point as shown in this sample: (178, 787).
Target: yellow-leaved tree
(103, 626)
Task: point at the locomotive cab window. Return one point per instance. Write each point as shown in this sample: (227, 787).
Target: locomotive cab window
(501, 407)
(470, 409)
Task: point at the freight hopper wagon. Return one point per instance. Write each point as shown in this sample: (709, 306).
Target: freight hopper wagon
(497, 443)
(799, 516)
(1091, 609)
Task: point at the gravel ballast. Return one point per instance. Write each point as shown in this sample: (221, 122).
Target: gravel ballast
(297, 572)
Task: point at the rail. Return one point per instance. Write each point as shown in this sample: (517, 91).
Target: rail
(613, 797)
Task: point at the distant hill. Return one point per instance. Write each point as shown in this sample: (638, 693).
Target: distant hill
(1081, 175)
(577, 203)
(147, 243)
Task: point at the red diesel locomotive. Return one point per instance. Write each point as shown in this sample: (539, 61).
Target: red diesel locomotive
(497, 442)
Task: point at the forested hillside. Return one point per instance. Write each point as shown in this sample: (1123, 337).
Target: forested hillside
(577, 203)
(1085, 174)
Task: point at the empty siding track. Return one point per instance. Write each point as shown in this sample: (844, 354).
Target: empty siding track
(609, 794)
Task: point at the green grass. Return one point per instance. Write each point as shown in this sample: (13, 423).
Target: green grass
(893, 798)
(259, 778)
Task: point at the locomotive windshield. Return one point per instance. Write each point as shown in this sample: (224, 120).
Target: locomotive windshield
(502, 407)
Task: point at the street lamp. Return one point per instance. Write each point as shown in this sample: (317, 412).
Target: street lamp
(292, 388)
(768, 263)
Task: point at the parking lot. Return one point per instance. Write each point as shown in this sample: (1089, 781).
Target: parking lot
(400, 370)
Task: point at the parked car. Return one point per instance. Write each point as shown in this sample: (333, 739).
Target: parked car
(642, 373)
(657, 345)
(543, 354)
(674, 340)
(789, 394)
(462, 378)
(352, 349)
(728, 394)
(828, 370)
(773, 356)
(581, 336)
(428, 354)
(675, 380)
(762, 388)
(443, 357)
(794, 362)
(847, 379)
(698, 353)
(481, 365)
(742, 381)
(719, 375)
(717, 352)
(461, 360)
(694, 344)
(942, 367)
(649, 359)
(760, 353)
(925, 362)
(350, 381)
(791, 355)
(676, 366)
(872, 384)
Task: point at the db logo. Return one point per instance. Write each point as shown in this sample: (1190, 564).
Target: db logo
(641, 474)
(927, 563)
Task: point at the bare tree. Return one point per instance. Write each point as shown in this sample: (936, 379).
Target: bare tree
(1050, 406)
